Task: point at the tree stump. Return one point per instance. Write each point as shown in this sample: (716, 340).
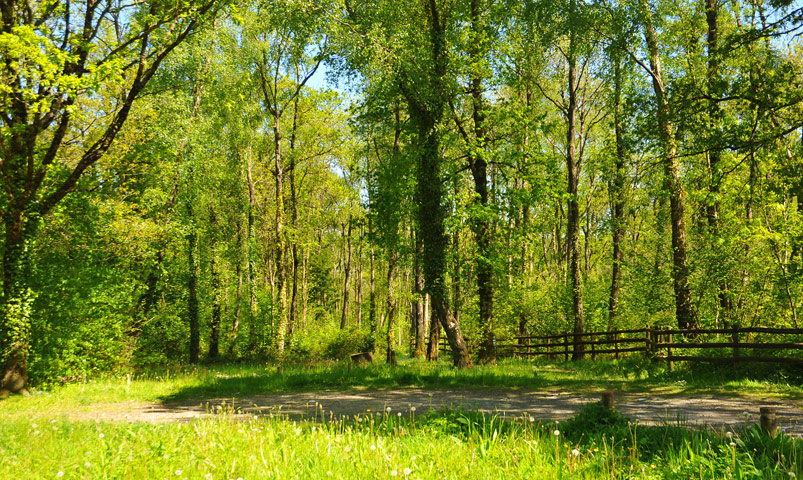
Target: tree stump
(607, 400)
(362, 358)
(769, 420)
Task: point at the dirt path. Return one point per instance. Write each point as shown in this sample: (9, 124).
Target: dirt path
(716, 411)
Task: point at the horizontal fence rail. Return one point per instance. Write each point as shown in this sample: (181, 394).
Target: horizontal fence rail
(667, 344)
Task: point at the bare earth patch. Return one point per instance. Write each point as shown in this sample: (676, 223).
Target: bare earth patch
(698, 410)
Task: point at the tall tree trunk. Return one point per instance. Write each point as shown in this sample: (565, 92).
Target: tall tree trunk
(418, 304)
(617, 199)
(217, 293)
(372, 303)
(714, 152)
(479, 169)
(346, 273)
(291, 321)
(391, 308)
(280, 297)
(434, 343)
(15, 335)
(573, 205)
(684, 308)
(254, 336)
(431, 215)
(192, 290)
(358, 281)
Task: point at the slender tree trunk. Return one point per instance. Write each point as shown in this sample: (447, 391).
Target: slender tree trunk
(714, 152)
(358, 281)
(618, 199)
(418, 304)
(372, 302)
(391, 308)
(346, 273)
(573, 206)
(192, 291)
(279, 247)
(684, 308)
(254, 337)
(217, 293)
(291, 321)
(434, 344)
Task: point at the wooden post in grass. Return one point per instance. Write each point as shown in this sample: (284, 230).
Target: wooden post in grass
(668, 339)
(607, 400)
(593, 354)
(769, 420)
(735, 339)
(566, 348)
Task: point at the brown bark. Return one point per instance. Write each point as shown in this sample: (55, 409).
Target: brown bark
(346, 273)
(573, 206)
(684, 308)
(618, 200)
(418, 305)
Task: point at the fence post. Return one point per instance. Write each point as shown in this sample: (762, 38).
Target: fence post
(648, 341)
(593, 354)
(669, 339)
(549, 349)
(735, 339)
(616, 345)
(769, 420)
(566, 348)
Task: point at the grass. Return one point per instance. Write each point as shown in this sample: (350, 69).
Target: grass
(451, 444)
(38, 441)
(184, 383)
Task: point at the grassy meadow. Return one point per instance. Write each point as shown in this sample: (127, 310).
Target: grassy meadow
(38, 441)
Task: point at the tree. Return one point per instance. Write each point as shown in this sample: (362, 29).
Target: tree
(56, 56)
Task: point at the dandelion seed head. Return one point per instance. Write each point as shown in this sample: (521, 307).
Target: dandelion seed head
(412, 409)
(59, 474)
(179, 472)
(393, 473)
(373, 447)
(407, 471)
(575, 452)
(556, 433)
(388, 409)
(87, 465)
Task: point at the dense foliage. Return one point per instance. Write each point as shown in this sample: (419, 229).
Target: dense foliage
(315, 178)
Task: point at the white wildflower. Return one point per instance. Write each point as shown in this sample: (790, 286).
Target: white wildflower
(60, 474)
(101, 436)
(393, 473)
(178, 472)
(373, 447)
(575, 452)
(407, 471)
(87, 465)
(556, 432)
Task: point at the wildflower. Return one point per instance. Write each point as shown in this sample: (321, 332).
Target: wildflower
(532, 419)
(367, 409)
(652, 465)
(101, 436)
(33, 425)
(729, 434)
(413, 458)
(209, 476)
(87, 465)
(373, 447)
(407, 471)
(166, 456)
(393, 473)
(348, 448)
(556, 432)
(733, 445)
(791, 474)
(575, 452)
(60, 474)
(412, 409)
(329, 473)
(388, 409)
(398, 414)
(178, 472)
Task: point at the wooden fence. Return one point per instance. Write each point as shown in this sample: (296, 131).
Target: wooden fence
(733, 345)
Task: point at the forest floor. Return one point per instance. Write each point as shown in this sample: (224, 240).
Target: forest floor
(544, 391)
(720, 412)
